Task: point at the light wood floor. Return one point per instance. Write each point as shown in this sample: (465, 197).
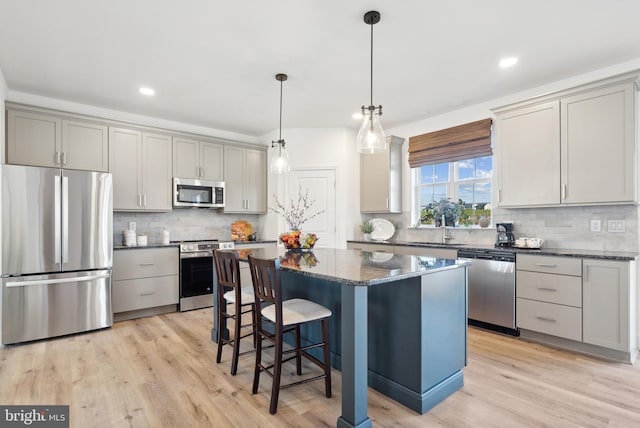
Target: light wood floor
(160, 372)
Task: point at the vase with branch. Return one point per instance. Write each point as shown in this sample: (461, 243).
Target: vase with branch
(295, 214)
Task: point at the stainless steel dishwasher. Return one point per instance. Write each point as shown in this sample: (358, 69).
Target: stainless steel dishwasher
(491, 289)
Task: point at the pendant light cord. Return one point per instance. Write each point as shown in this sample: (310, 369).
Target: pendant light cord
(371, 104)
(280, 128)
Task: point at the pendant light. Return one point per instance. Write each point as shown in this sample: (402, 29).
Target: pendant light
(280, 160)
(371, 138)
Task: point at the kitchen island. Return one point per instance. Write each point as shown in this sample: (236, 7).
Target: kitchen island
(398, 323)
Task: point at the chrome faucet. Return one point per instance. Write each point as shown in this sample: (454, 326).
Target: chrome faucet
(446, 236)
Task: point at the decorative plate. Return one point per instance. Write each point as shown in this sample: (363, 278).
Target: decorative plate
(383, 230)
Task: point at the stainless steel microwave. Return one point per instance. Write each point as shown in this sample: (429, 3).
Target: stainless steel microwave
(198, 193)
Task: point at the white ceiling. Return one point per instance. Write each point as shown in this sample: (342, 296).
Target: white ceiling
(212, 63)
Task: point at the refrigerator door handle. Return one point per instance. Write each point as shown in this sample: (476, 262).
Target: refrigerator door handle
(57, 220)
(65, 219)
(56, 280)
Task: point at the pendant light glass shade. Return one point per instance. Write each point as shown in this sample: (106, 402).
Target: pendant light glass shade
(371, 138)
(280, 160)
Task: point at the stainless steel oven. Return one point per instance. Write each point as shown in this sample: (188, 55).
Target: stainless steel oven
(196, 273)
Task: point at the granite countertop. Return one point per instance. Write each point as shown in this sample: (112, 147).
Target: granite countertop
(353, 267)
(258, 241)
(591, 254)
(141, 247)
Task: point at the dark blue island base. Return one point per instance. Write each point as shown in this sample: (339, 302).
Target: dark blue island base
(416, 333)
(398, 324)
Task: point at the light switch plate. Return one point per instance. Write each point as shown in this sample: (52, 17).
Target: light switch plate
(132, 225)
(615, 226)
(596, 225)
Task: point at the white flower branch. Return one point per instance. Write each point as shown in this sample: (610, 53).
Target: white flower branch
(296, 214)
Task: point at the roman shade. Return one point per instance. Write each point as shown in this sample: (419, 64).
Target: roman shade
(467, 141)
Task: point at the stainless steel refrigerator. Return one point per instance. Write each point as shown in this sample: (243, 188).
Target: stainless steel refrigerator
(56, 252)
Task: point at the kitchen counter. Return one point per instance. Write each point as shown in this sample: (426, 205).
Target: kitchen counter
(141, 247)
(590, 254)
(398, 324)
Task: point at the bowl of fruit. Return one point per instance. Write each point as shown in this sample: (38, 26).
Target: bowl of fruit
(296, 240)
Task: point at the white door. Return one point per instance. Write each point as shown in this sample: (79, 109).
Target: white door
(321, 184)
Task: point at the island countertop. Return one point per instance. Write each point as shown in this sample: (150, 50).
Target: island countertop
(353, 267)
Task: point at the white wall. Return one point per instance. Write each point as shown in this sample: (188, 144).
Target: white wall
(320, 148)
(562, 227)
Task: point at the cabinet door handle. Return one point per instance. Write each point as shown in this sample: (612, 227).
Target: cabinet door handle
(546, 265)
(499, 195)
(57, 158)
(547, 289)
(564, 191)
(64, 158)
(146, 264)
(140, 201)
(144, 198)
(148, 293)
(387, 203)
(197, 171)
(546, 319)
(201, 171)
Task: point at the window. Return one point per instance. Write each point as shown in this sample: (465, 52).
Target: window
(465, 182)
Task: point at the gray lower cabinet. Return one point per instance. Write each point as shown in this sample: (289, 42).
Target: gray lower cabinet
(145, 282)
(606, 304)
(586, 305)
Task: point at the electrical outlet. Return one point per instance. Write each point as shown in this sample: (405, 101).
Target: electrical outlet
(132, 225)
(596, 225)
(615, 226)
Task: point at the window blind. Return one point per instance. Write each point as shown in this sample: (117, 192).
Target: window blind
(471, 140)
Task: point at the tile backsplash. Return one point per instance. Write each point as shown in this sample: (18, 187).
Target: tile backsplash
(560, 227)
(183, 224)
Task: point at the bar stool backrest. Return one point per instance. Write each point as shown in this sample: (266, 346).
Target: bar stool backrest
(266, 283)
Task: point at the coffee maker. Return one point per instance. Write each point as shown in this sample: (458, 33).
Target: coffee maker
(504, 237)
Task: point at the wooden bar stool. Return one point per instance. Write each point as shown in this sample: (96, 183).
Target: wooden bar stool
(287, 316)
(242, 299)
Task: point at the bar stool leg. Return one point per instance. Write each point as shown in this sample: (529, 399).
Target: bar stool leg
(277, 371)
(298, 353)
(236, 339)
(327, 357)
(221, 309)
(256, 370)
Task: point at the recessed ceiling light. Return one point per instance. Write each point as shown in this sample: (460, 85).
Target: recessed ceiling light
(508, 62)
(146, 91)
(357, 116)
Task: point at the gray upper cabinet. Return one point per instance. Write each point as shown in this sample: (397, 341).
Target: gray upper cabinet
(141, 166)
(529, 156)
(39, 139)
(576, 147)
(245, 177)
(197, 159)
(381, 179)
(597, 144)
